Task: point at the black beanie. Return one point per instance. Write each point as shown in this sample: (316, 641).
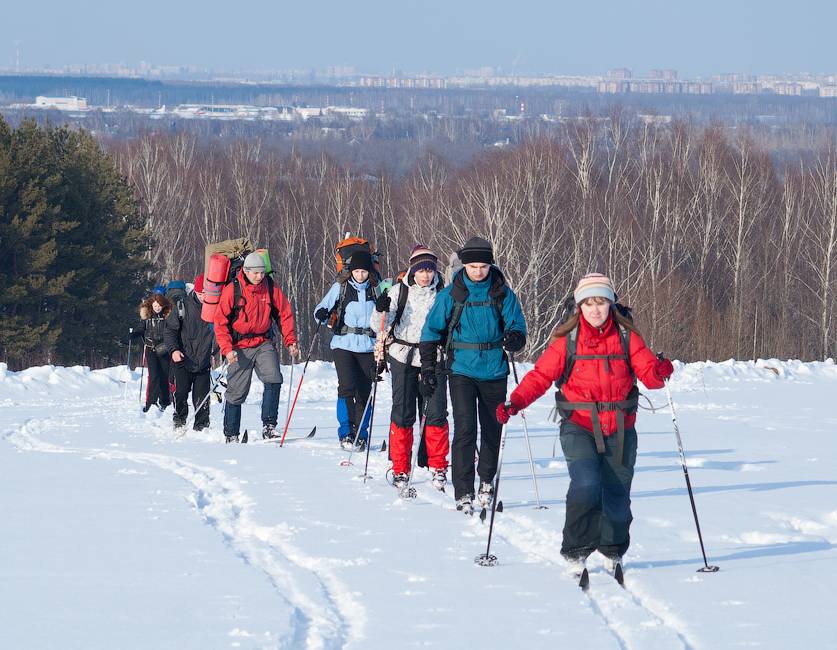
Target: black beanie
(476, 250)
(360, 260)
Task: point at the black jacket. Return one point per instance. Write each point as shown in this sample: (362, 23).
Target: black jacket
(192, 336)
(151, 331)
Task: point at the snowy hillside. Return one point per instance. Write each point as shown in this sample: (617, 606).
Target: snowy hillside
(115, 535)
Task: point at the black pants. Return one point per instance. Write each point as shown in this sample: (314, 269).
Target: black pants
(599, 497)
(407, 401)
(158, 390)
(355, 372)
(196, 382)
(471, 398)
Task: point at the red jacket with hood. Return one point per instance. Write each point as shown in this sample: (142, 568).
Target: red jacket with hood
(253, 316)
(589, 380)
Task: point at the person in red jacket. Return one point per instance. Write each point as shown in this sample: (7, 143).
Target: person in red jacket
(597, 400)
(244, 319)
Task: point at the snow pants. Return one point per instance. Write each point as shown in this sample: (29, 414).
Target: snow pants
(472, 399)
(355, 373)
(599, 497)
(406, 402)
(198, 384)
(264, 360)
(157, 391)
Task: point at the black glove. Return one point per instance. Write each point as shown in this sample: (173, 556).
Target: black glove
(321, 314)
(428, 382)
(382, 303)
(514, 341)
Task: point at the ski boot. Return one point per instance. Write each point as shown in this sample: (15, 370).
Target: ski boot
(269, 431)
(485, 494)
(439, 478)
(162, 407)
(146, 408)
(231, 437)
(465, 504)
(400, 480)
(347, 444)
(361, 444)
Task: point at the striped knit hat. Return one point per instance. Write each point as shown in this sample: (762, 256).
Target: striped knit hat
(422, 258)
(593, 285)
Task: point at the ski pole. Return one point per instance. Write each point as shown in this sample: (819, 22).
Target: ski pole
(221, 372)
(409, 491)
(706, 568)
(486, 559)
(526, 436)
(290, 387)
(128, 362)
(301, 379)
(142, 372)
(346, 462)
(371, 420)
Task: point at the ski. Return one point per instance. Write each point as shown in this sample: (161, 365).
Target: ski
(484, 511)
(584, 580)
(307, 437)
(619, 575)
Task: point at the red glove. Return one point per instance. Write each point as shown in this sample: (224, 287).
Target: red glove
(505, 411)
(663, 369)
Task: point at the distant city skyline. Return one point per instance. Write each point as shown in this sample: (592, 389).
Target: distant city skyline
(373, 36)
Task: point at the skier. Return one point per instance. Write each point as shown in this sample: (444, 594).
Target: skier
(348, 306)
(153, 313)
(407, 305)
(249, 307)
(191, 342)
(596, 357)
(473, 319)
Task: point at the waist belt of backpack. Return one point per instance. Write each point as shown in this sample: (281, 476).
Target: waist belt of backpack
(406, 343)
(598, 407)
(238, 337)
(459, 345)
(356, 330)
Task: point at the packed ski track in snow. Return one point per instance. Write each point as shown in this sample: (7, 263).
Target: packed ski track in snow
(120, 535)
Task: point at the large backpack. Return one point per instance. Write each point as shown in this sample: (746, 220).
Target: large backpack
(222, 262)
(343, 255)
(176, 293)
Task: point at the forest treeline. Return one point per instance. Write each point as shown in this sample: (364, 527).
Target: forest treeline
(722, 249)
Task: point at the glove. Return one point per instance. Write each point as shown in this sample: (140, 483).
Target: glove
(505, 411)
(321, 314)
(663, 369)
(428, 382)
(382, 303)
(514, 341)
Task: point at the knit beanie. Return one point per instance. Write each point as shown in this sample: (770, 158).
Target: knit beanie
(254, 262)
(423, 258)
(594, 285)
(160, 289)
(360, 260)
(199, 283)
(476, 251)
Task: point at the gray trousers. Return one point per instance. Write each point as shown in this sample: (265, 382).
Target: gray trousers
(263, 359)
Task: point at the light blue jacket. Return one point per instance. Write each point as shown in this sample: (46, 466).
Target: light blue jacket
(357, 314)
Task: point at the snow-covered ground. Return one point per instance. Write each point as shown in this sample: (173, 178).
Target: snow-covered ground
(116, 535)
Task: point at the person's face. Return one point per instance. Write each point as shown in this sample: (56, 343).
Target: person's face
(424, 277)
(595, 310)
(477, 271)
(360, 275)
(157, 307)
(254, 276)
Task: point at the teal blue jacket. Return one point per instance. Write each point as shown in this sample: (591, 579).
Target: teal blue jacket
(479, 323)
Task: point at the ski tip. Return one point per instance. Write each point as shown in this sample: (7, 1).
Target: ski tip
(584, 580)
(244, 437)
(483, 514)
(313, 433)
(619, 575)
(383, 446)
(499, 506)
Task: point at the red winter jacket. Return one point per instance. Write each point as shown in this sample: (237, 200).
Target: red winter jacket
(589, 381)
(253, 316)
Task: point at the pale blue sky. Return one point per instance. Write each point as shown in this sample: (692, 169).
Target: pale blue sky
(703, 37)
